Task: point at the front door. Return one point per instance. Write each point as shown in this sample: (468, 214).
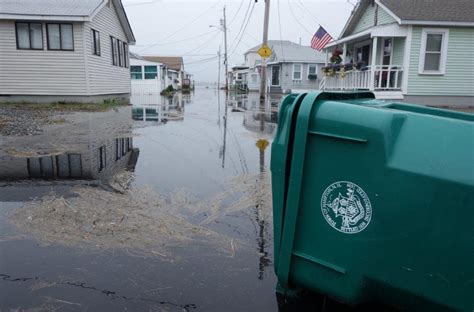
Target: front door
(275, 75)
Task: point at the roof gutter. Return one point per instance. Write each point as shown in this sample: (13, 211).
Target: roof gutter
(32, 17)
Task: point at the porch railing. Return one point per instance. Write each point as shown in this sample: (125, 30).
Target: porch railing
(384, 78)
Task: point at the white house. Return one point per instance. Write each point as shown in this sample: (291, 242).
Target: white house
(175, 66)
(148, 78)
(64, 50)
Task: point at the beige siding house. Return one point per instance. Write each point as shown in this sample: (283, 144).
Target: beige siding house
(64, 51)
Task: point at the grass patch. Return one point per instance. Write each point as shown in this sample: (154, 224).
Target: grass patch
(106, 105)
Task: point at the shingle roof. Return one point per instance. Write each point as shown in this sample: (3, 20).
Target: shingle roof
(172, 62)
(49, 7)
(287, 51)
(432, 10)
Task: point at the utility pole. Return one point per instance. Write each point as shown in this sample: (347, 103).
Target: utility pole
(224, 25)
(263, 75)
(219, 70)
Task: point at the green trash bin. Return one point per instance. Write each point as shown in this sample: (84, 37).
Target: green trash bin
(374, 201)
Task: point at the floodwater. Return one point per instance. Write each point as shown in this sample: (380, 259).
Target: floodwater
(201, 241)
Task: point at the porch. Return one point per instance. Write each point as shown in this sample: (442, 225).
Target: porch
(372, 60)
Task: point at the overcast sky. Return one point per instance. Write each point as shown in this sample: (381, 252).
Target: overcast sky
(181, 27)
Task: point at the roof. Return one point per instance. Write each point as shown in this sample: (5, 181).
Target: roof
(172, 62)
(49, 7)
(287, 51)
(64, 10)
(418, 12)
(432, 10)
(270, 43)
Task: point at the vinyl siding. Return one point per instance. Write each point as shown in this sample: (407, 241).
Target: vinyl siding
(105, 78)
(40, 72)
(459, 77)
(398, 51)
(286, 77)
(367, 19)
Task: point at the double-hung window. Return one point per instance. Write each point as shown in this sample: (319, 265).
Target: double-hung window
(312, 72)
(29, 36)
(113, 44)
(297, 71)
(434, 50)
(136, 72)
(151, 72)
(125, 55)
(95, 42)
(120, 53)
(60, 37)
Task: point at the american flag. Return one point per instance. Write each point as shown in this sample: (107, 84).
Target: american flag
(320, 39)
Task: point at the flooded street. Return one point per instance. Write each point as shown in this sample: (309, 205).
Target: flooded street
(163, 205)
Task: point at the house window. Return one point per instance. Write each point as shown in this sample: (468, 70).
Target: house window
(120, 53)
(297, 71)
(29, 36)
(95, 42)
(114, 52)
(434, 48)
(312, 72)
(151, 72)
(102, 158)
(125, 55)
(136, 72)
(60, 37)
(117, 150)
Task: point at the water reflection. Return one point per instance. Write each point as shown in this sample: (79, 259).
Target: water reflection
(79, 149)
(159, 109)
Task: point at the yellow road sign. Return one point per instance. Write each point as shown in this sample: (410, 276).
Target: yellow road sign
(262, 144)
(265, 51)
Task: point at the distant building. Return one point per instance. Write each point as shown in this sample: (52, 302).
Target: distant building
(148, 78)
(175, 65)
(419, 51)
(57, 50)
(291, 67)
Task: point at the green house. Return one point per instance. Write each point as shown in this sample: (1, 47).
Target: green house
(419, 51)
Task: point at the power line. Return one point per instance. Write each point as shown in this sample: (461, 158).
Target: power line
(237, 13)
(141, 3)
(243, 22)
(177, 41)
(183, 27)
(279, 25)
(243, 31)
(296, 19)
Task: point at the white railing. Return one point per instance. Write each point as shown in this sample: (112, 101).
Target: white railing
(384, 78)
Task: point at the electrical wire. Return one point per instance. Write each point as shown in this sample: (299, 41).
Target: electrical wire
(243, 31)
(243, 23)
(279, 25)
(297, 20)
(177, 41)
(183, 27)
(237, 13)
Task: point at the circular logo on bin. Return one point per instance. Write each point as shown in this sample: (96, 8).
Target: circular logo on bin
(346, 207)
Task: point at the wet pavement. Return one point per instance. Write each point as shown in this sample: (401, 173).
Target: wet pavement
(164, 205)
(210, 191)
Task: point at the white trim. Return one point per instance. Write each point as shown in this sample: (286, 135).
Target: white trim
(98, 8)
(372, 63)
(444, 50)
(391, 51)
(86, 55)
(436, 23)
(44, 17)
(406, 60)
(395, 17)
(293, 72)
(348, 38)
(389, 30)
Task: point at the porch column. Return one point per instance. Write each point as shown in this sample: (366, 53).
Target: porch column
(373, 63)
(326, 62)
(344, 53)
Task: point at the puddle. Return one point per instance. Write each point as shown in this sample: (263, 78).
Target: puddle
(163, 205)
